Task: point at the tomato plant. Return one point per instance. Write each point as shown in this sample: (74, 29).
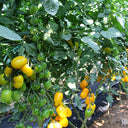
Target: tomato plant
(51, 52)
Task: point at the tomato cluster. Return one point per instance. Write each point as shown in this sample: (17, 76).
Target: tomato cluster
(62, 112)
(13, 92)
(88, 96)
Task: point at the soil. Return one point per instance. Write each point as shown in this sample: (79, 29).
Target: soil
(116, 117)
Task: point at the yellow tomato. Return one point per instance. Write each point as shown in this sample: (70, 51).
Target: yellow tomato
(126, 78)
(83, 84)
(18, 81)
(2, 80)
(84, 93)
(61, 111)
(90, 99)
(113, 77)
(91, 106)
(27, 70)
(58, 97)
(18, 62)
(64, 122)
(7, 71)
(68, 112)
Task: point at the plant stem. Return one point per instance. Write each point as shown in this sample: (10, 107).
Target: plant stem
(71, 124)
(76, 112)
(84, 123)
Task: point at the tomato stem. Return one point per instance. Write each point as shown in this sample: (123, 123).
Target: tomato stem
(84, 123)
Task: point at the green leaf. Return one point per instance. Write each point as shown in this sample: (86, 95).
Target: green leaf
(30, 49)
(51, 6)
(78, 101)
(109, 99)
(119, 22)
(93, 78)
(4, 107)
(111, 33)
(5, 20)
(9, 34)
(66, 37)
(91, 44)
(71, 83)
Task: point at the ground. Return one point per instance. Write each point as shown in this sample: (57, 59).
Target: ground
(116, 117)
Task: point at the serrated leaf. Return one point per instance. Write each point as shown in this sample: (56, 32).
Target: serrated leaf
(71, 83)
(111, 33)
(4, 107)
(91, 44)
(5, 20)
(78, 101)
(9, 34)
(93, 78)
(109, 99)
(66, 37)
(51, 6)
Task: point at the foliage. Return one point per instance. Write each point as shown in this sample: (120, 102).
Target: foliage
(76, 38)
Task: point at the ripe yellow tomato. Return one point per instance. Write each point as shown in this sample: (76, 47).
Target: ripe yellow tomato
(68, 112)
(7, 71)
(84, 93)
(64, 122)
(113, 77)
(90, 99)
(58, 97)
(2, 80)
(126, 78)
(54, 124)
(18, 81)
(27, 70)
(61, 111)
(83, 84)
(18, 62)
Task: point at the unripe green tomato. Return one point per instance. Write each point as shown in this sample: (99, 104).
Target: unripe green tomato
(20, 125)
(48, 84)
(88, 113)
(16, 95)
(40, 57)
(42, 91)
(35, 112)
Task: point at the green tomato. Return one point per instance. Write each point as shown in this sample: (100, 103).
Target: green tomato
(6, 96)
(20, 125)
(28, 126)
(88, 112)
(44, 65)
(36, 86)
(46, 113)
(40, 57)
(42, 102)
(42, 91)
(33, 77)
(48, 84)
(21, 107)
(46, 73)
(23, 88)
(16, 95)
(39, 68)
(107, 50)
(51, 112)
(35, 112)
